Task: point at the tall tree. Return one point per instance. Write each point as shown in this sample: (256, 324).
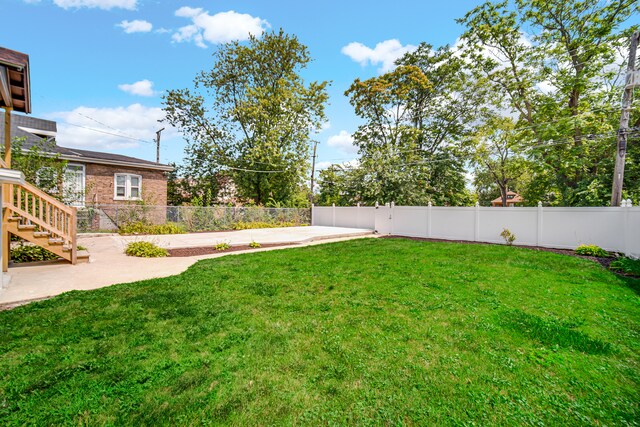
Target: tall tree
(549, 62)
(416, 120)
(497, 157)
(252, 115)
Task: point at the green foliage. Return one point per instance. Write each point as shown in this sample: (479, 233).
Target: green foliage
(241, 225)
(259, 118)
(498, 160)
(30, 253)
(366, 332)
(254, 245)
(139, 227)
(145, 250)
(591, 250)
(408, 145)
(39, 165)
(563, 85)
(628, 266)
(222, 246)
(508, 236)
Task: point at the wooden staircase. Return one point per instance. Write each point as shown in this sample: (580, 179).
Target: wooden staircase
(36, 217)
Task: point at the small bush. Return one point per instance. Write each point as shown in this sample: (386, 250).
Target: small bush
(508, 236)
(254, 245)
(31, 253)
(591, 250)
(221, 246)
(627, 266)
(139, 227)
(145, 250)
(242, 225)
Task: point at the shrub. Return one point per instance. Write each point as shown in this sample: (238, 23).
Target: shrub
(627, 266)
(30, 253)
(591, 250)
(254, 245)
(508, 236)
(145, 250)
(243, 225)
(221, 246)
(139, 227)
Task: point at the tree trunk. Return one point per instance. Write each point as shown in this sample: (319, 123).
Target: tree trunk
(503, 193)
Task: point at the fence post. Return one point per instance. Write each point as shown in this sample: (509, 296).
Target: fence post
(429, 220)
(391, 217)
(333, 211)
(625, 231)
(476, 227)
(358, 216)
(539, 224)
(312, 206)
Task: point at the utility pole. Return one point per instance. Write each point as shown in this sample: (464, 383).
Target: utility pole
(313, 169)
(631, 81)
(158, 145)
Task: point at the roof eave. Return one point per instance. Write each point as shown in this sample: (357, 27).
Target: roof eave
(82, 159)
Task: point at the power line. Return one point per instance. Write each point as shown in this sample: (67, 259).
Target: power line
(109, 133)
(105, 125)
(252, 170)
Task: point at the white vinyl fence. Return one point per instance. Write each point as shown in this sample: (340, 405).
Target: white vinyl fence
(612, 228)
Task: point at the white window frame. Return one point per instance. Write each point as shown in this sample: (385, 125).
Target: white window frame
(127, 186)
(81, 202)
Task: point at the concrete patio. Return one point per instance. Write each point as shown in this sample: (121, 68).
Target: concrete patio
(109, 265)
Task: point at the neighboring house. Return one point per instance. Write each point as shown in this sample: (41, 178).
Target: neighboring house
(512, 199)
(94, 177)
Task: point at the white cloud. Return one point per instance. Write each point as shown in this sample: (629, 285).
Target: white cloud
(323, 165)
(136, 26)
(116, 127)
(353, 163)
(99, 4)
(385, 53)
(343, 141)
(141, 88)
(222, 27)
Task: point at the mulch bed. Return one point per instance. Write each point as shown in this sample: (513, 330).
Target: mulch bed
(600, 260)
(208, 250)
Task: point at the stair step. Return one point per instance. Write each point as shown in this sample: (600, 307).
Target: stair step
(82, 256)
(56, 241)
(41, 234)
(14, 218)
(26, 227)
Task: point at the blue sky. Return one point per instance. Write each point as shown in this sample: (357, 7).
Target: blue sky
(104, 64)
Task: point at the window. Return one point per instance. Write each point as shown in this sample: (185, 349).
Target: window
(127, 187)
(47, 180)
(73, 185)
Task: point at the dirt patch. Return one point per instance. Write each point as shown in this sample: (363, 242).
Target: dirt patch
(208, 250)
(600, 260)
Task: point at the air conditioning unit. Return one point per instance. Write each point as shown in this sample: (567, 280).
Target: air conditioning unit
(633, 79)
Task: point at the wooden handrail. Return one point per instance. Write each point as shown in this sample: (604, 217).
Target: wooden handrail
(52, 200)
(44, 211)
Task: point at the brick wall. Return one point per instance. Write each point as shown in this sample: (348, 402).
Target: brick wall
(100, 183)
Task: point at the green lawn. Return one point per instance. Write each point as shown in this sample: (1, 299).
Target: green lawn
(371, 331)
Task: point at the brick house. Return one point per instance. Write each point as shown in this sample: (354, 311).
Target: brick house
(93, 177)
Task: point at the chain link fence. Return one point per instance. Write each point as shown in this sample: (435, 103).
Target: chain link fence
(109, 218)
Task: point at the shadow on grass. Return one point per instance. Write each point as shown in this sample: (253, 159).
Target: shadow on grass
(631, 283)
(552, 333)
